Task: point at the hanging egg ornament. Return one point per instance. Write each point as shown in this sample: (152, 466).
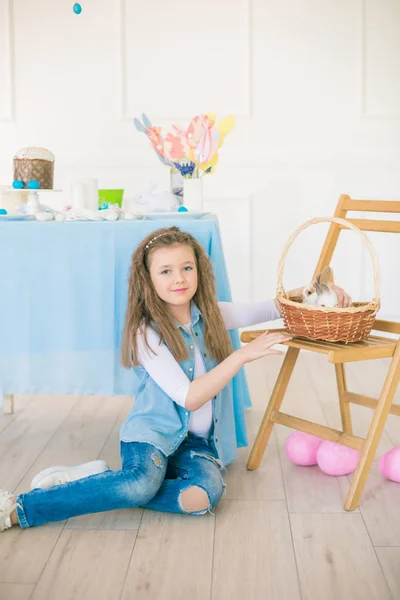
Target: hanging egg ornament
(77, 8)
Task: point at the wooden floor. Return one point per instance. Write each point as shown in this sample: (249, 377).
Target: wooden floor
(280, 533)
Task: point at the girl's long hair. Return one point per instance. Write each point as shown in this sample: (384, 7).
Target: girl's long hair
(145, 308)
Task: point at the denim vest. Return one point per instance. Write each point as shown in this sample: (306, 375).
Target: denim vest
(156, 419)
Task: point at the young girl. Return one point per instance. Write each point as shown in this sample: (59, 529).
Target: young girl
(181, 430)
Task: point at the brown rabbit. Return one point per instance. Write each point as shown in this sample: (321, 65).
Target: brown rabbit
(320, 292)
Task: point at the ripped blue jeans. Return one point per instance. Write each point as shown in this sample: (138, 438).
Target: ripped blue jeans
(147, 479)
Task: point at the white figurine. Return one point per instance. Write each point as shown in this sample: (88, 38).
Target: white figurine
(156, 201)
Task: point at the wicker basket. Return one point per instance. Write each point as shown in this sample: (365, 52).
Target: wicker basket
(329, 324)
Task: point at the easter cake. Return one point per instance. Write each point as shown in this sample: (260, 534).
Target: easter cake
(34, 165)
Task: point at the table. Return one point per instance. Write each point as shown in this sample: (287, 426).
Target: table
(62, 304)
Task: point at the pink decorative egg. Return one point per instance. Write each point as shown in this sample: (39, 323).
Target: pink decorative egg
(302, 448)
(335, 459)
(389, 464)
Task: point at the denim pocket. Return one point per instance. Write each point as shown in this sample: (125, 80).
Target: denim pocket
(209, 457)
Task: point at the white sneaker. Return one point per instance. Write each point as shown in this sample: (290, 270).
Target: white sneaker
(58, 475)
(7, 506)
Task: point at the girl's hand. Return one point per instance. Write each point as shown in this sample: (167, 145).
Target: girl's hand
(262, 346)
(344, 299)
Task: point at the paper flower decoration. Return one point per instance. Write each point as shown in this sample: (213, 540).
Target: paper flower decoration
(197, 128)
(156, 139)
(176, 144)
(154, 135)
(194, 151)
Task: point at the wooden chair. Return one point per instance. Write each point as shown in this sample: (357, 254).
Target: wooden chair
(339, 354)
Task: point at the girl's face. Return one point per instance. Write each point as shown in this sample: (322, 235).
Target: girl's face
(173, 272)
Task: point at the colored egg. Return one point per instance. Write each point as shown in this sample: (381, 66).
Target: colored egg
(77, 8)
(3, 211)
(335, 459)
(389, 464)
(182, 209)
(33, 184)
(18, 184)
(301, 448)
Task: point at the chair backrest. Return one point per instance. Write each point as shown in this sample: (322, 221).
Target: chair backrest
(345, 205)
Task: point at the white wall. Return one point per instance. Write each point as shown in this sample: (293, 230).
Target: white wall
(314, 83)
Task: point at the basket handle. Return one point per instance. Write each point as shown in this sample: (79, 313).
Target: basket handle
(339, 221)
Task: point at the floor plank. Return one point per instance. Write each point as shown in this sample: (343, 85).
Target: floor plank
(15, 591)
(21, 402)
(172, 559)
(336, 559)
(25, 552)
(264, 484)
(86, 564)
(253, 555)
(379, 506)
(390, 563)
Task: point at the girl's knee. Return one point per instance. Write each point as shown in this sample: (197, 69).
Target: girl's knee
(142, 487)
(194, 500)
(142, 491)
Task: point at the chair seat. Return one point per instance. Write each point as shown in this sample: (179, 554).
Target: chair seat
(337, 352)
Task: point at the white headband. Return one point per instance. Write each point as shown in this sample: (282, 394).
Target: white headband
(155, 238)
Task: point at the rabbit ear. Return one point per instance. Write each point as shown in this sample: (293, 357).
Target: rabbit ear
(322, 280)
(325, 275)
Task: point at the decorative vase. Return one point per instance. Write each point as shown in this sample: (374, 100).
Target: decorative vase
(193, 194)
(176, 183)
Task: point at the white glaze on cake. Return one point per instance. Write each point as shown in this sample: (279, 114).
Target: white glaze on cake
(35, 152)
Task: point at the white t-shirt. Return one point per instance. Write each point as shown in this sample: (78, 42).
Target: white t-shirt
(170, 377)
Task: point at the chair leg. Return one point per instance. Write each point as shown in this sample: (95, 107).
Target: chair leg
(374, 433)
(8, 404)
(344, 406)
(275, 402)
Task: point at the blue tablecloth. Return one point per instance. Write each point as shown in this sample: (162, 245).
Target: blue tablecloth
(63, 293)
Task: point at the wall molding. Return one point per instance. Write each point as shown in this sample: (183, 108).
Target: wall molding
(7, 112)
(127, 116)
(365, 114)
